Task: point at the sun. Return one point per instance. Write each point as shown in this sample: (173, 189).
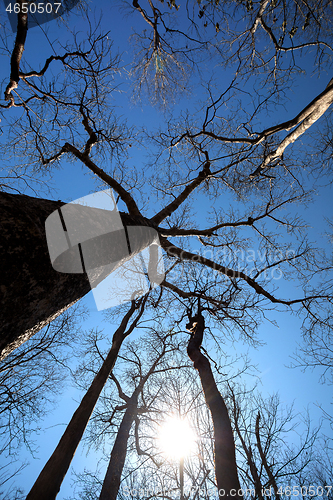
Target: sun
(176, 438)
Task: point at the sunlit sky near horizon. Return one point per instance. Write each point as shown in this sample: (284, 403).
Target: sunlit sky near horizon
(70, 182)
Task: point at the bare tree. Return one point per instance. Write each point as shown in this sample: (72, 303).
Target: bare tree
(32, 376)
(114, 471)
(274, 450)
(276, 447)
(224, 445)
(30, 285)
(31, 380)
(261, 34)
(218, 151)
(317, 351)
(49, 480)
(248, 165)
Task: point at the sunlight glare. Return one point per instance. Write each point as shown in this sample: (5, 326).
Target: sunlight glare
(176, 438)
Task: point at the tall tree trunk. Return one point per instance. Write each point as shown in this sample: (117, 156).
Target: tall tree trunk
(114, 471)
(49, 480)
(258, 487)
(32, 293)
(225, 458)
(113, 474)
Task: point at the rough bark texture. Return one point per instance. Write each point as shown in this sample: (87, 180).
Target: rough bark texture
(49, 480)
(32, 293)
(225, 459)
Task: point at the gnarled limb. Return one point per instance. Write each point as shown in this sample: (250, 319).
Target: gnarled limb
(225, 457)
(21, 34)
(171, 207)
(175, 251)
(305, 119)
(124, 195)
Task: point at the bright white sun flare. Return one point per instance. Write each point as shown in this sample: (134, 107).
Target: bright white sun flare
(176, 438)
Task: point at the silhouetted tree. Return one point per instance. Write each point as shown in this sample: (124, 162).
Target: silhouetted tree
(221, 184)
(49, 480)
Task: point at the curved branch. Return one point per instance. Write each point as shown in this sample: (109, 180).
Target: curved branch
(279, 47)
(258, 19)
(171, 207)
(21, 34)
(174, 251)
(189, 295)
(124, 195)
(175, 231)
(307, 117)
(50, 59)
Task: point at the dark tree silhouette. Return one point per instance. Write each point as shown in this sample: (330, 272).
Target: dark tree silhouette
(32, 292)
(247, 166)
(49, 480)
(224, 444)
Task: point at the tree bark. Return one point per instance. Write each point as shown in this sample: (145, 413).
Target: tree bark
(49, 480)
(225, 458)
(32, 293)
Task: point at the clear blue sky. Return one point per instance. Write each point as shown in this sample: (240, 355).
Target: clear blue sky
(70, 182)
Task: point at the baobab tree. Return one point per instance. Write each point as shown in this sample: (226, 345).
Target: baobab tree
(30, 284)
